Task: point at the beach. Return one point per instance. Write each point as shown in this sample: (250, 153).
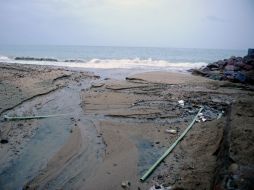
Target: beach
(105, 133)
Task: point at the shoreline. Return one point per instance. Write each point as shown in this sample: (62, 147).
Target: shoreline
(135, 113)
(114, 68)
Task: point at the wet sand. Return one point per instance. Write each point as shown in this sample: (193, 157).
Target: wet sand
(118, 129)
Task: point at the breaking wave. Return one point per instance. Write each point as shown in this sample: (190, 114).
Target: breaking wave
(144, 64)
(4, 58)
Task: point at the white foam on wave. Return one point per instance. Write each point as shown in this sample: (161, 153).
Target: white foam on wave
(114, 63)
(112, 67)
(4, 58)
(137, 63)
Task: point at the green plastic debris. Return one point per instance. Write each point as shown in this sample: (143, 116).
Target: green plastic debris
(154, 166)
(9, 118)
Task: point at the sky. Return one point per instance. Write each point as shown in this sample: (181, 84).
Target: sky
(217, 24)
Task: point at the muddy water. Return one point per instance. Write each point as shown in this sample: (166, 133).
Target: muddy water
(50, 136)
(148, 154)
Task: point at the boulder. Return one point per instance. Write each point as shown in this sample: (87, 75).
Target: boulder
(229, 75)
(221, 63)
(231, 60)
(35, 59)
(239, 63)
(214, 65)
(216, 76)
(238, 59)
(231, 68)
(247, 67)
(199, 72)
(240, 77)
(235, 69)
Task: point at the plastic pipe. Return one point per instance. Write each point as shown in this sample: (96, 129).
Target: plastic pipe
(154, 166)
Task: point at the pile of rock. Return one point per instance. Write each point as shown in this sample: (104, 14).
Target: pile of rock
(235, 69)
(35, 59)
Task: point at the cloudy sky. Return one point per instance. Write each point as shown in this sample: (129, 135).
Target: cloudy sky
(226, 24)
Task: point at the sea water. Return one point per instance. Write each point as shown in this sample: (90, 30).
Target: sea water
(113, 61)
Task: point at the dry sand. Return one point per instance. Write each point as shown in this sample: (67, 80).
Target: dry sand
(130, 118)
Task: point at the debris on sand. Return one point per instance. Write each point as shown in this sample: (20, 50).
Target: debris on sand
(181, 102)
(201, 117)
(125, 184)
(159, 187)
(171, 131)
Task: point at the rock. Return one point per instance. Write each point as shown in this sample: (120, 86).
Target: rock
(216, 76)
(231, 61)
(240, 77)
(125, 184)
(213, 65)
(229, 75)
(199, 72)
(239, 59)
(239, 64)
(247, 67)
(233, 168)
(231, 68)
(35, 59)
(221, 64)
(214, 69)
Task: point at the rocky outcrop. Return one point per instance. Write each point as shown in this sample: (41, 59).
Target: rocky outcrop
(35, 59)
(235, 69)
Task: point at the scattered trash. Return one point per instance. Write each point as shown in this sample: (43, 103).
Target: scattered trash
(6, 117)
(154, 166)
(201, 117)
(220, 115)
(159, 187)
(181, 102)
(125, 184)
(171, 131)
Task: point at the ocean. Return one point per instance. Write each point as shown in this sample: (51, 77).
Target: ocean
(112, 61)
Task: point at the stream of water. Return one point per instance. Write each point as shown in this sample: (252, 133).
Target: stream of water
(50, 136)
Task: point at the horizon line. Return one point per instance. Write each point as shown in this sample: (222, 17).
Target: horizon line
(118, 46)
